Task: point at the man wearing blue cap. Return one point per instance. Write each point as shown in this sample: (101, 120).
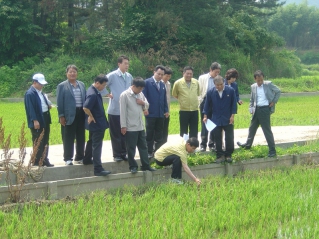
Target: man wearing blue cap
(37, 108)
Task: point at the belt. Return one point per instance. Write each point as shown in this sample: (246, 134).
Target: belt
(47, 112)
(79, 108)
(263, 106)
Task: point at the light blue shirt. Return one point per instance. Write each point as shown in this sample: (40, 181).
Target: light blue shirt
(261, 97)
(117, 84)
(210, 84)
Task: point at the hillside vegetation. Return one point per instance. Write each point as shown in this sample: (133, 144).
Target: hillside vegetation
(45, 36)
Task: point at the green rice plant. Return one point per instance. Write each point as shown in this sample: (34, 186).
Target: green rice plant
(306, 83)
(276, 203)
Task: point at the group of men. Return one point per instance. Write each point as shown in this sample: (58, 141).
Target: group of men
(133, 99)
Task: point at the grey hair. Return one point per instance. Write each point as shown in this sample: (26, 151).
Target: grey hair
(218, 79)
(215, 65)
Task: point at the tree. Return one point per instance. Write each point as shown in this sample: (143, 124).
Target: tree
(19, 36)
(297, 24)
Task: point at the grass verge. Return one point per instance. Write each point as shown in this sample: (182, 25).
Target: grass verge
(277, 203)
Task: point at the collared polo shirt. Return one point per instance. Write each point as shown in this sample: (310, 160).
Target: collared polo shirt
(187, 96)
(117, 83)
(94, 103)
(178, 148)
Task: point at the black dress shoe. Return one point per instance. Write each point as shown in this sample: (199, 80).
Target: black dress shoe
(133, 170)
(117, 159)
(220, 160)
(124, 157)
(47, 163)
(229, 160)
(87, 162)
(148, 169)
(272, 155)
(102, 173)
(244, 146)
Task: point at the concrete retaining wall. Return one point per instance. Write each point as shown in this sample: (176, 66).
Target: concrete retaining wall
(57, 189)
(81, 171)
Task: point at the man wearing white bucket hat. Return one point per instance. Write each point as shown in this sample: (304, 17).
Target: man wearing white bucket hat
(37, 108)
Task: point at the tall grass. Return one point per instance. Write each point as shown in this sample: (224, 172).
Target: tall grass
(289, 111)
(279, 203)
(299, 84)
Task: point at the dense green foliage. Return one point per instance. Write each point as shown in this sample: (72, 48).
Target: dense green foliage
(298, 25)
(48, 35)
(45, 36)
(278, 203)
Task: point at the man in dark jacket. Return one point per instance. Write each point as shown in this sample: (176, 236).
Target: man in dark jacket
(37, 108)
(221, 107)
(155, 93)
(96, 123)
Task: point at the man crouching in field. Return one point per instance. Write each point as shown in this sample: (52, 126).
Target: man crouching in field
(176, 154)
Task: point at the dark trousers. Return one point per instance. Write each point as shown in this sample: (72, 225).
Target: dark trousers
(204, 132)
(136, 139)
(88, 150)
(154, 133)
(177, 165)
(229, 140)
(117, 138)
(188, 120)
(94, 149)
(45, 140)
(261, 117)
(165, 129)
(76, 131)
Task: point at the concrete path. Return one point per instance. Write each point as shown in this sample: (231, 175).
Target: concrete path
(282, 134)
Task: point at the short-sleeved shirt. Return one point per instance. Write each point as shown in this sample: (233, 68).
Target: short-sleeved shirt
(187, 95)
(94, 103)
(178, 148)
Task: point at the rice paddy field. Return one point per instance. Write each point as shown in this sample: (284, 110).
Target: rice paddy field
(278, 203)
(298, 110)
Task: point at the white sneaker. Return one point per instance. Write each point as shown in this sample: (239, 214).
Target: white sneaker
(176, 181)
(69, 162)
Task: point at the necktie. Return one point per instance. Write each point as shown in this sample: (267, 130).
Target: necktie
(45, 99)
(158, 85)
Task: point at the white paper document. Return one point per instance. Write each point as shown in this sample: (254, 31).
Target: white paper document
(210, 125)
